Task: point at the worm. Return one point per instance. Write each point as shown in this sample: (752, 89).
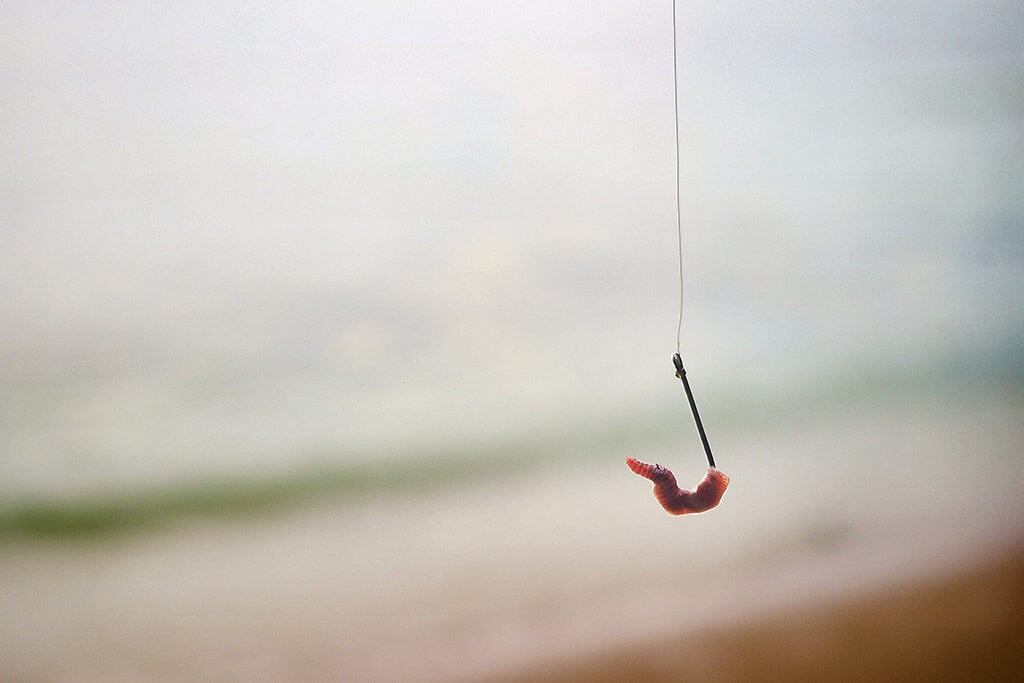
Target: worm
(675, 500)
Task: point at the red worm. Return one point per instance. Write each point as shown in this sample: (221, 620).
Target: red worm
(675, 500)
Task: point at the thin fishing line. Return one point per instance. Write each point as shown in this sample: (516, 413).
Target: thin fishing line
(677, 359)
(679, 212)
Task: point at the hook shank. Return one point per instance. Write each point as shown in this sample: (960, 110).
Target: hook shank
(681, 374)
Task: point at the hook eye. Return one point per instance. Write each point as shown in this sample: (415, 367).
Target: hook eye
(678, 362)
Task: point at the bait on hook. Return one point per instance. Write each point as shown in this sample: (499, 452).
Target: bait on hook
(675, 500)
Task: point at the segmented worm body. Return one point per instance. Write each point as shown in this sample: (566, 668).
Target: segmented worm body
(675, 500)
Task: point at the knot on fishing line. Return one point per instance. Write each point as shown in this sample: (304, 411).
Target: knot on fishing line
(678, 362)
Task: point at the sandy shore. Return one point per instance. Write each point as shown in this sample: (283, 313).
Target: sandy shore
(227, 603)
(968, 626)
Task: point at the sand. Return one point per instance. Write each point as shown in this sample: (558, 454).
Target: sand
(967, 626)
(288, 601)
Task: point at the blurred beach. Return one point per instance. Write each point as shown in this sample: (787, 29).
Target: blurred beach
(961, 627)
(572, 569)
(325, 333)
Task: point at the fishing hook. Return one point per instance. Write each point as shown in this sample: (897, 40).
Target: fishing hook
(675, 500)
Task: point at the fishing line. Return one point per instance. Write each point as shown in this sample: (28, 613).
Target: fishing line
(679, 211)
(677, 360)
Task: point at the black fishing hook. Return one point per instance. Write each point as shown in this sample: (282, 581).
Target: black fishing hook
(681, 374)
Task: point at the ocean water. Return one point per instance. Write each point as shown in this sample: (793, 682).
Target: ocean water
(258, 255)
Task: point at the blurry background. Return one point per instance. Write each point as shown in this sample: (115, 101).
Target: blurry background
(325, 330)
